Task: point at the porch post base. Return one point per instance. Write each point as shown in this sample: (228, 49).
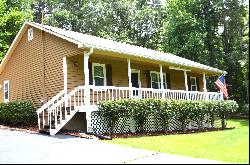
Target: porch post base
(132, 125)
(89, 125)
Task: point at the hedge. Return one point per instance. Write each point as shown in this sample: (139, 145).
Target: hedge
(182, 110)
(18, 113)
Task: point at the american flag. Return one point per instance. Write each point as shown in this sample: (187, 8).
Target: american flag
(220, 83)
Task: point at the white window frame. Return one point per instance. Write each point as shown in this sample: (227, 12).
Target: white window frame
(30, 31)
(159, 79)
(104, 74)
(8, 88)
(193, 85)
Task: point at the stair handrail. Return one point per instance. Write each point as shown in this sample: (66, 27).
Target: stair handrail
(62, 100)
(51, 101)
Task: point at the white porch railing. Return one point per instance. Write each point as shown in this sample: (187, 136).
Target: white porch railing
(61, 108)
(103, 93)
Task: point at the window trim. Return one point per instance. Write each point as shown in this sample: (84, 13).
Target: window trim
(104, 73)
(30, 37)
(159, 78)
(8, 99)
(191, 85)
(139, 75)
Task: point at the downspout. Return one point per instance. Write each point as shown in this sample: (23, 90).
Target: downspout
(90, 52)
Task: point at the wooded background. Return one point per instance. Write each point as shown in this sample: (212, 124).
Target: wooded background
(212, 32)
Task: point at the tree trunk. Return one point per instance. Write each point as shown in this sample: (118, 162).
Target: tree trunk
(223, 121)
(183, 126)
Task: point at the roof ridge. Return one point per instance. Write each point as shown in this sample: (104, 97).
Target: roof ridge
(82, 39)
(119, 42)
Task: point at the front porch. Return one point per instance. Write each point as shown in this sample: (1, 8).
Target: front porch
(88, 80)
(59, 110)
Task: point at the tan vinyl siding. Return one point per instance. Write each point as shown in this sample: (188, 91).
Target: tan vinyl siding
(24, 70)
(32, 61)
(55, 49)
(75, 71)
(177, 80)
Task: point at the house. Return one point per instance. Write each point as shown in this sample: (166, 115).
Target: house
(66, 73)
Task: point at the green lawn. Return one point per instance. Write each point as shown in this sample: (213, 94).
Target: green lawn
(228, 145)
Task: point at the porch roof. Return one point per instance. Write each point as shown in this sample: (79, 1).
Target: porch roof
(89, 41)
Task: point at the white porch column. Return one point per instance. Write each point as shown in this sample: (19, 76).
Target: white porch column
(186, 83)
(129, 78)
(65, 80)
(204, 82)
(205, 86)
(87, 90)
(86, 69)
(162, 85)
(161, 77)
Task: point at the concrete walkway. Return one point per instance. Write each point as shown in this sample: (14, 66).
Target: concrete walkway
(20, 147)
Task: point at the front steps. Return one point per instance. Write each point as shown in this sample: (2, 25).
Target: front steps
(62, 119)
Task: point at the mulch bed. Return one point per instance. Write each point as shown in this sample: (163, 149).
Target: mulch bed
(175, 132)
(138, 134)
(81, 134)
(27, 129)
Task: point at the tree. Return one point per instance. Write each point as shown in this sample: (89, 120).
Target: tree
(135, 22)
(12, 16)
(232, 14)
(210, 32)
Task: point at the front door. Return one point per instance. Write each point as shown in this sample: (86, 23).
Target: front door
(135, 79)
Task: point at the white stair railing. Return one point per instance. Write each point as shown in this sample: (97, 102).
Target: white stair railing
(61, 111)
(43, 111)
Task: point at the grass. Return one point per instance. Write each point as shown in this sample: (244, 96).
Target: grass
(229, 145)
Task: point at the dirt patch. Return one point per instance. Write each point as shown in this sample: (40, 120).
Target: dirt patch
(78, 134)
(27, 129)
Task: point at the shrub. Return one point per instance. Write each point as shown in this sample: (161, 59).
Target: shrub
(244, 109)
(224, 108)
(183, 110)
(165, 113)
(112, 111)
(18, 113)
(211, 111)
(198, 110)
(141, 109)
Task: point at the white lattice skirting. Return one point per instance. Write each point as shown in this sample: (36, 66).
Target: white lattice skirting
(153, 124)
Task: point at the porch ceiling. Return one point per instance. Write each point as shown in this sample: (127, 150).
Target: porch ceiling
(145, 61)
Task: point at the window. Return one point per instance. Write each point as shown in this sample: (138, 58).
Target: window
(156, 80)
(30, 34)
(6, 91)
(193, 84)
(99, 74)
